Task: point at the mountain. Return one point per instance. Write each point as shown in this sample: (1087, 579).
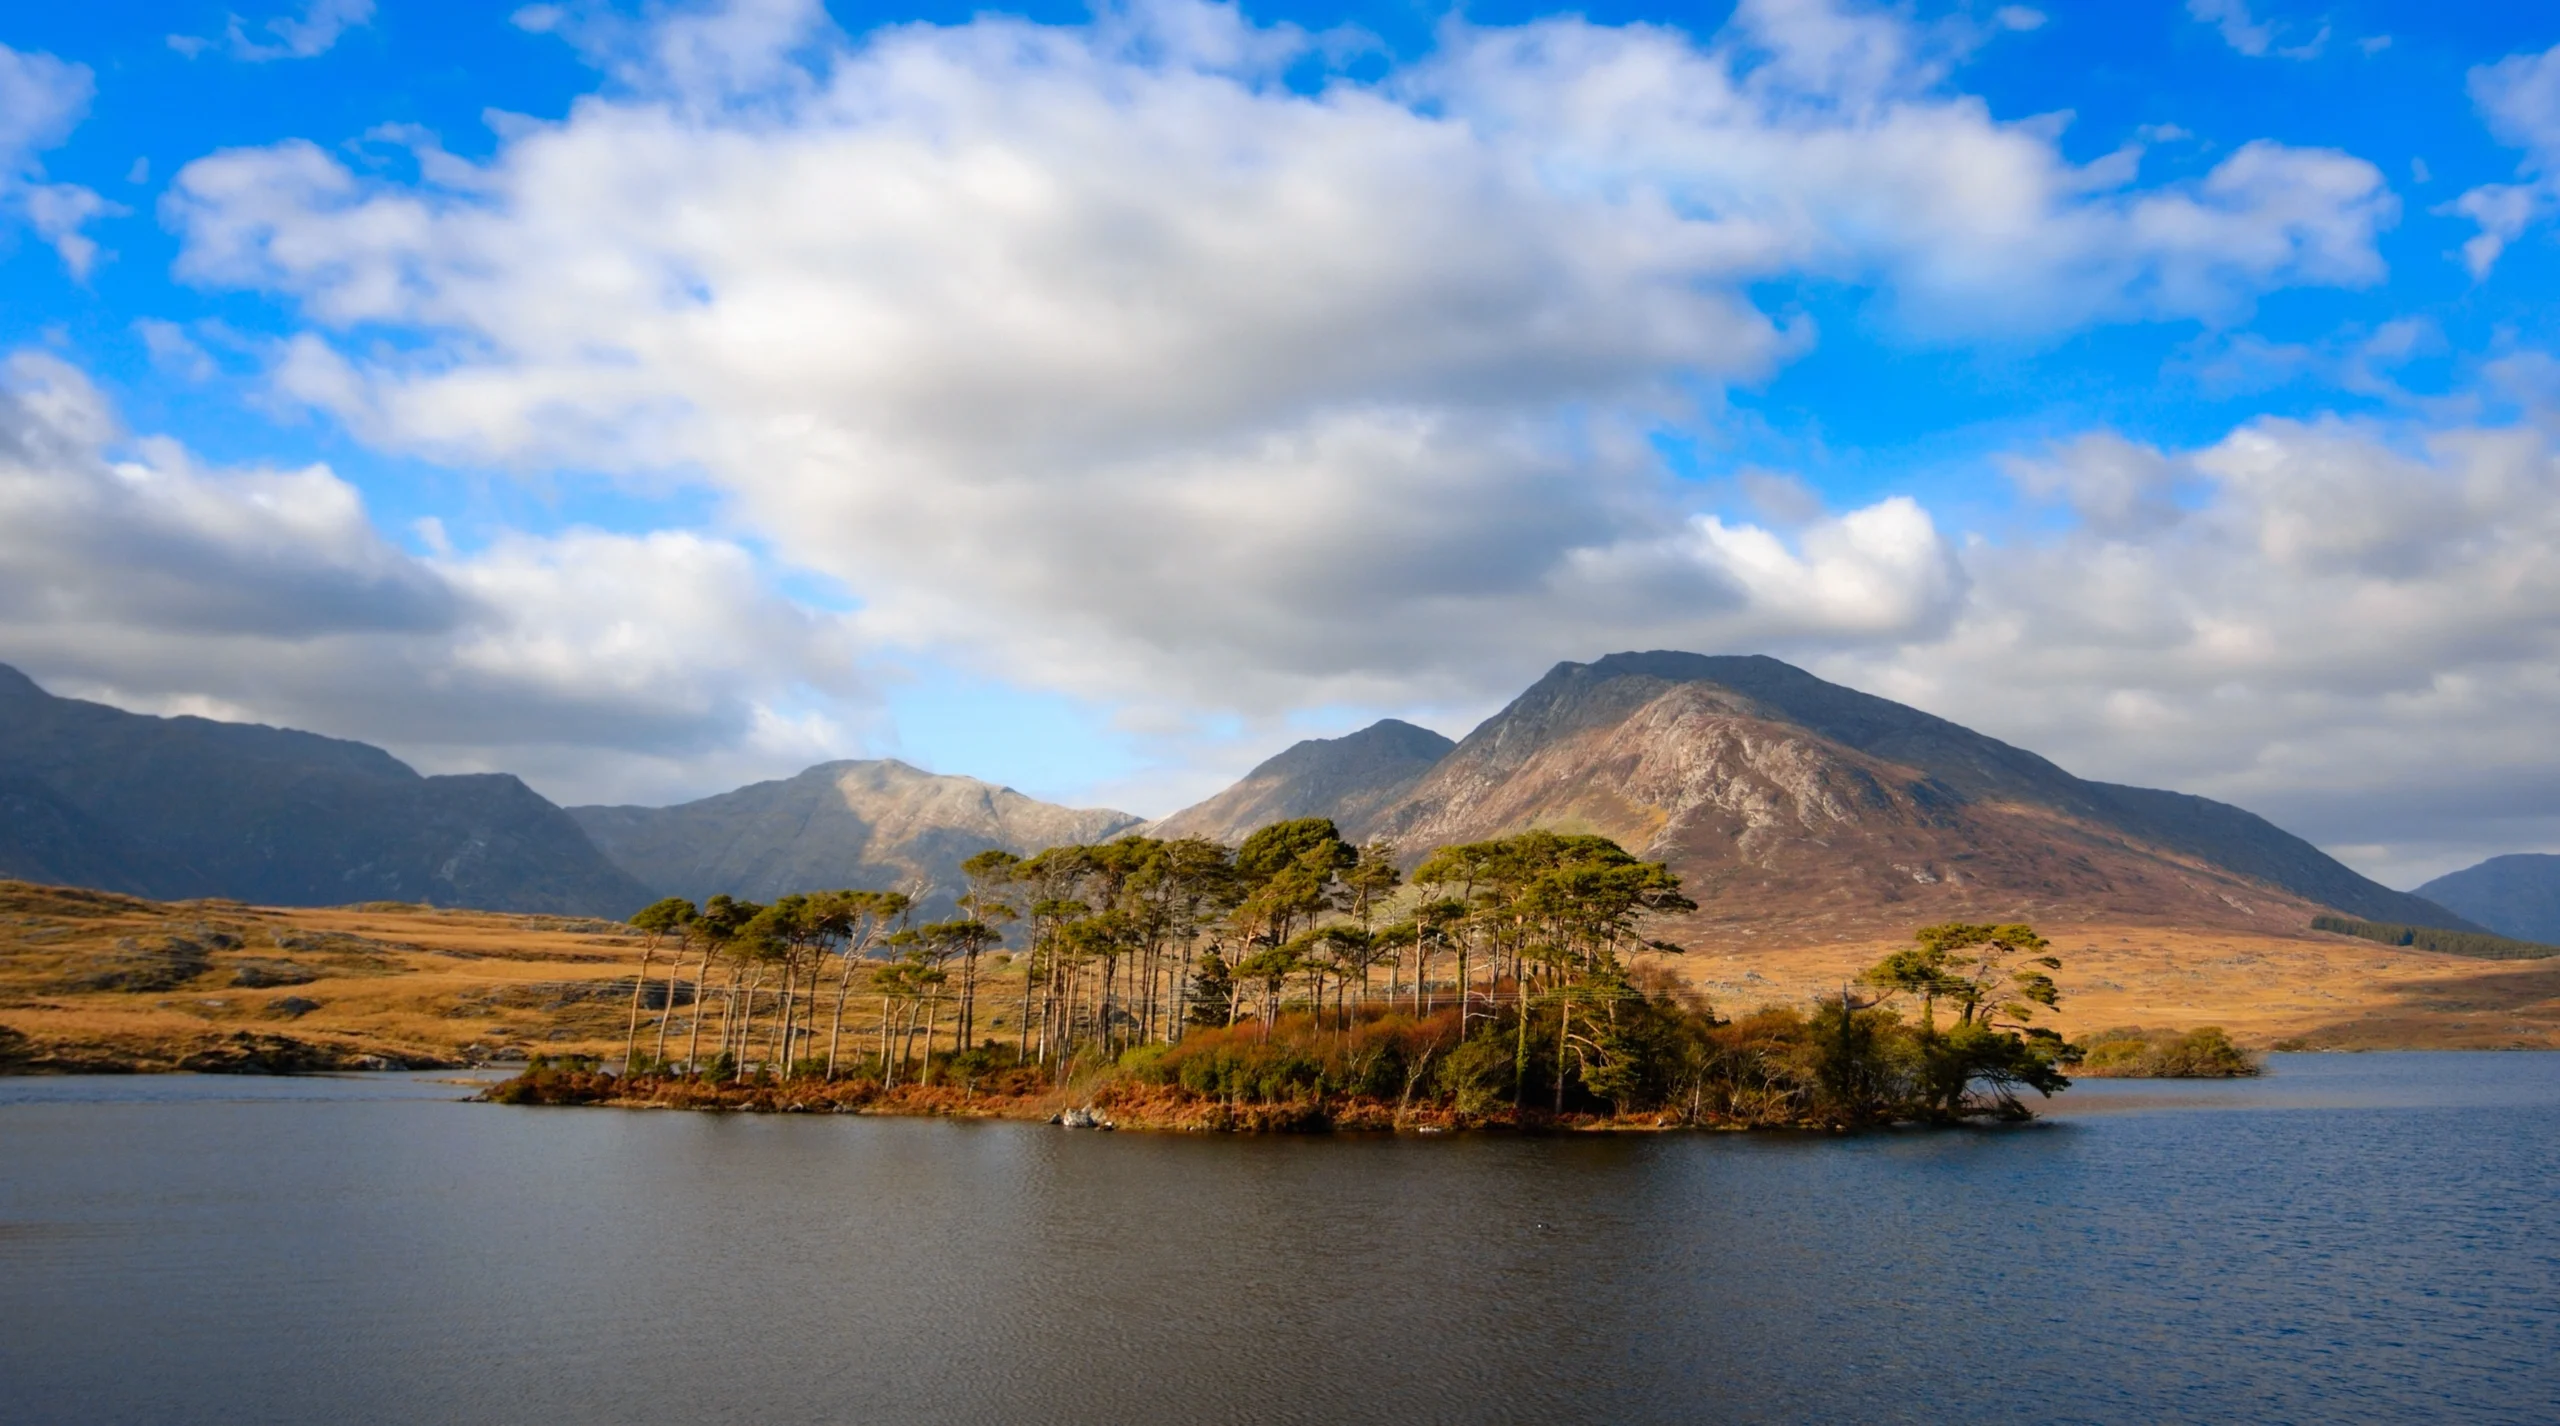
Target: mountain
(1786, 799)
(861, 824)
(2515, 895)
(1346, 778)
(190, 807)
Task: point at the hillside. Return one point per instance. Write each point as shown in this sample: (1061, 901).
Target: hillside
(1801, 807)
(1347, 778)
(2515, 895)
(185, 807)
(856, 823)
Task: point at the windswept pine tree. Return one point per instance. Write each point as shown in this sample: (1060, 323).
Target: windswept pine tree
(1186, 981)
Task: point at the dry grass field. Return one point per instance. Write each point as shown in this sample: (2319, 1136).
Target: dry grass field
(2312, 991)
(96, 981)
(91, 980)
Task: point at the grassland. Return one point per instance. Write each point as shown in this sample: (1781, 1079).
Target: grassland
(90, 981)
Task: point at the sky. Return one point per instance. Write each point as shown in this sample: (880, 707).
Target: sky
(650, 399)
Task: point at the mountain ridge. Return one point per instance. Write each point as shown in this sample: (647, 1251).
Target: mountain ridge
(851, 822)
(1797, 800)
(1786, 799)
(195, 807)
(1343, 778)
(2515, 895)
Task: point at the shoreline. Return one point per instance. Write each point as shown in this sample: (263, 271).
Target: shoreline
(1121, 1104)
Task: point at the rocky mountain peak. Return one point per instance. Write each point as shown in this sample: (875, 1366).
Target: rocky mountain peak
(1344, 778)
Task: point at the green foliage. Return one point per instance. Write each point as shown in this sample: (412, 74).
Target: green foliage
(1871, 1065)
(1213, 988)
(2431, 938)
(2202, 1053)
(1478, 1075)
(670, 915)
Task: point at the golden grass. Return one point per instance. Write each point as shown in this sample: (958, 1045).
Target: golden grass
(2323, 991)
(457, 986)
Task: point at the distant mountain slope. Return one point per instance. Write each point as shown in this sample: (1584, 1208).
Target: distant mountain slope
(1346, 778)
(2515, 895)
(877, 824)
(43, 838)
(1786, 798)
(186, 807)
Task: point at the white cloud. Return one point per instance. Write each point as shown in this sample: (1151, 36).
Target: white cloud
(2351, 627)
(1103, 356)
(173, 351)
(2254, 37)
(296, 34)
(2519, 96)
(42, 99)
(594, 663)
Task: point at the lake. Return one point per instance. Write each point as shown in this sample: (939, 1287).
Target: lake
(2367, 1237)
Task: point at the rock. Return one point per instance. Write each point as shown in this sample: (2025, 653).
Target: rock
(133, 966)
(293, 1007)
(248, 1053)
(263, 975)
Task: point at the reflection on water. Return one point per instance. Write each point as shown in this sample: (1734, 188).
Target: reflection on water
(2356, 1237)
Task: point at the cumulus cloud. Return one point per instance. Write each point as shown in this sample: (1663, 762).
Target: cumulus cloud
(2351, 626)
(595, 663)
(1108, 358)
(296, 34)
(2519, 97)
(42, 99)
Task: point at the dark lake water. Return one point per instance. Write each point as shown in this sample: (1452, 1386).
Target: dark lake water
(2365, 1238)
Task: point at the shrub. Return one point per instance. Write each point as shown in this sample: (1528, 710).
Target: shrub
(2135, 1053)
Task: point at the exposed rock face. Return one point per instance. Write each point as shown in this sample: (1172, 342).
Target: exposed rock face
(878, 824)
(1347, 778)
(1784, 799)
(2515, 895)
(188, 807)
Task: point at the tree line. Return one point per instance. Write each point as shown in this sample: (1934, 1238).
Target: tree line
(1296, 971)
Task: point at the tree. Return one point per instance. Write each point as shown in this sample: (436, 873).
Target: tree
(858, 919)
(669, 916)
(718, 925)
(991, 905)
(1996, 977)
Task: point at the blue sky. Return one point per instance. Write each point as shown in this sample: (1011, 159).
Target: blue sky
(648, 399)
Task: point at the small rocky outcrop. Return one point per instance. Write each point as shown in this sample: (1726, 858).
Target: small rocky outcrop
(134, 965)
(265, 975)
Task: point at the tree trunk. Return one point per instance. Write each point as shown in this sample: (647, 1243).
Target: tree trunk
(889, 1073)
(639, 983)
(835, 1030)
(667, 1013)
(781, 1050)
(1465, 1001)
(747, 1023)
(1520, 1056)
(693, 1029)
(1564, 1024)
(1022, 1032)
(728, 1009)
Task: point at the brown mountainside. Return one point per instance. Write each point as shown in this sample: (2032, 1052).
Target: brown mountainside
(1792, 804)
(874, 823)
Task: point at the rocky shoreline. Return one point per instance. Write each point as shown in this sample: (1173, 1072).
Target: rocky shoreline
(239, 1052)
